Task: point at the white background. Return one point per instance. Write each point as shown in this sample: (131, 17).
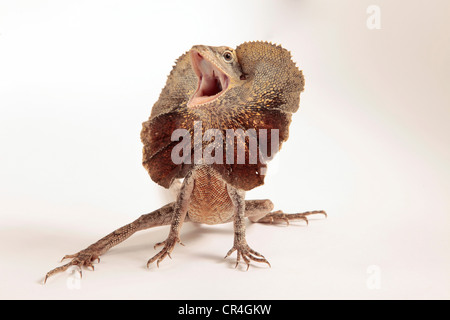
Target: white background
(370, 144)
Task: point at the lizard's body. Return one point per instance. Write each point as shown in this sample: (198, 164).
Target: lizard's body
(255, 87)
(210, 202)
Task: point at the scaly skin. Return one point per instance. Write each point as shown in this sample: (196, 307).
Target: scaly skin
(254, 87)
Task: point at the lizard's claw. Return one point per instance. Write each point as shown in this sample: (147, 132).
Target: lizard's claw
(169, 244)
(279, 216)
(80, 259)
(247, 254)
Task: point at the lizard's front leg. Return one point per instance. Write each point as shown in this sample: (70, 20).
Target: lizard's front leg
(179, 215)
(240, 243)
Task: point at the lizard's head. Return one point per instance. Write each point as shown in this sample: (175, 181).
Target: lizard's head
(217, 69)
(253, 88)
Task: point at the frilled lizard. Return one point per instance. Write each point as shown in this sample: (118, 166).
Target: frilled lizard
(254, 87)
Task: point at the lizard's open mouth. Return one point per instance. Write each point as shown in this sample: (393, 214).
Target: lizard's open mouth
(212, 82)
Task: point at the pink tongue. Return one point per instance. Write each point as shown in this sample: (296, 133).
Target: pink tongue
(210, 86)
(211, 81)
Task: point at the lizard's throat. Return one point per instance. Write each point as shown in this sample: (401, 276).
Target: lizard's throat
(212, 82)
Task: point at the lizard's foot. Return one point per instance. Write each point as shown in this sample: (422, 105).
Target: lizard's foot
(247, 254)
(169, 244)
(280, 216)
(80, 259)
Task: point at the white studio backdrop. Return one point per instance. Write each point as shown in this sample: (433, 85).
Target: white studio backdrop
(369, 144)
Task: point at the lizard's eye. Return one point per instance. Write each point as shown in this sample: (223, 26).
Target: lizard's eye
(227, 56)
